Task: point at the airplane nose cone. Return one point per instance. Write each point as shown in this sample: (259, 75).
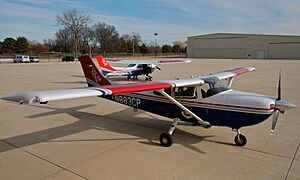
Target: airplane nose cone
(284, 105)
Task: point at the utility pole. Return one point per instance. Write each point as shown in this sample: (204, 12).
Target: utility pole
(155, 50)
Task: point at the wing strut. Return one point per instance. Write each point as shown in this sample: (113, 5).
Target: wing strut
(205, 123)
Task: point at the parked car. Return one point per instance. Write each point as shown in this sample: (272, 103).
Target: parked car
(21, 58)
(67, 58)
(34, 59)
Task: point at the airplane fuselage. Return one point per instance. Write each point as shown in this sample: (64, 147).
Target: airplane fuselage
(230, 108)
(129, 71)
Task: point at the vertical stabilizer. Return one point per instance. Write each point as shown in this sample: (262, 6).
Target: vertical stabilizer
(91, 72)
(104, 64)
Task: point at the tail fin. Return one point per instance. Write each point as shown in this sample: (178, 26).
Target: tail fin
(104, 64)
(92, 73)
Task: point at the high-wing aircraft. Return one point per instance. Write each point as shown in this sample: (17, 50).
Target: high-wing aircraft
(135, 67)
(205, 101)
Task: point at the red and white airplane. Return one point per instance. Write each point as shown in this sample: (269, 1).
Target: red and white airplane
(205, 101)
(135, 67)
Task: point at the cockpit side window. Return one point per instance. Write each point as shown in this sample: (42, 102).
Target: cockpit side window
(131, 65)
(204, 89)
(209, 89)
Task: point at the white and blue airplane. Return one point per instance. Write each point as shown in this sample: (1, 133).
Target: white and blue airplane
(135, 67)
(205, 100)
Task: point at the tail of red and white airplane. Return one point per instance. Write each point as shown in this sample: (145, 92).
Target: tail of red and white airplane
(104, 64)
(92, 73)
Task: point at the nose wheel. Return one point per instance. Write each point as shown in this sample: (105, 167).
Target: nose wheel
(166, 139)
(148, 77)
(239, 139)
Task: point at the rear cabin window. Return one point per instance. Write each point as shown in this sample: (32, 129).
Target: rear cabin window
(180, 92)
(185, 92)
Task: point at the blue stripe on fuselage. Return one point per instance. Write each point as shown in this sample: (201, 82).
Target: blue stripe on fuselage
(136, 72)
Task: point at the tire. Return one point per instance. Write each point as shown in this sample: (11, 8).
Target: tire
(166, 140)
(240, 142)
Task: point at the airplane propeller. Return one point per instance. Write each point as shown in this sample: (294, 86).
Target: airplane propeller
(280, 106)
(158, 68)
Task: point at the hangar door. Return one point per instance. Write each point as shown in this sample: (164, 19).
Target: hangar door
(284, 50)
(220, 48)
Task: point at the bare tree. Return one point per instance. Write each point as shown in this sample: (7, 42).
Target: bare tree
(179, 46)
(107, 36)
(75, 22)
(137, 38)
(128, 42)
(86, 40)
(63, 40)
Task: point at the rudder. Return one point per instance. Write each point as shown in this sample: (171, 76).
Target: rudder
(103, 63)
(92, 73)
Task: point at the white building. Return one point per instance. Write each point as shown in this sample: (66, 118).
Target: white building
(254, 46)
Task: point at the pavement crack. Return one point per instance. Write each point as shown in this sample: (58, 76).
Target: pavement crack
(290, 167)
(44, 159)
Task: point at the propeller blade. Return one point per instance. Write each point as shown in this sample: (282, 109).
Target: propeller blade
(274, 121)
(158, 68)
(279, 87)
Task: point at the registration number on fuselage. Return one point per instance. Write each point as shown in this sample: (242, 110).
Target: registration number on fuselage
(129, 101)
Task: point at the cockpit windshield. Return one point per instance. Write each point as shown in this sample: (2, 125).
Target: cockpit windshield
(131, 65)
(212, 88)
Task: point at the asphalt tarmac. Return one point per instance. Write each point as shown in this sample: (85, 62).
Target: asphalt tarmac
(92, 138)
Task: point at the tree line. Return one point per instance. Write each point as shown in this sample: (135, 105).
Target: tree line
(77, 36)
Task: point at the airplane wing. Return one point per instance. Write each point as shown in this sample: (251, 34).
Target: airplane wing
(53, 95)
(227, 73)
(130, 61)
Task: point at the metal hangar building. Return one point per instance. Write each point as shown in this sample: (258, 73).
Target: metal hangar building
(252, 46)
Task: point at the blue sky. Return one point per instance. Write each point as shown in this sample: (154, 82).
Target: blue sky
(171, 19)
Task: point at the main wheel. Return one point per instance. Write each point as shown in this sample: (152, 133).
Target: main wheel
(166, 140)
(242, 141)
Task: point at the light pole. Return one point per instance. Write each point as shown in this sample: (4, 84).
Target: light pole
(155, 50)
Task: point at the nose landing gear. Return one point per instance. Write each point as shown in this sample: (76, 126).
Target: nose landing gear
(239, 139)
(148, 78)
(166, 139)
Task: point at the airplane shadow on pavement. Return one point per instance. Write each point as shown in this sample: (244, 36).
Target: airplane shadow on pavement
(146, 130)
